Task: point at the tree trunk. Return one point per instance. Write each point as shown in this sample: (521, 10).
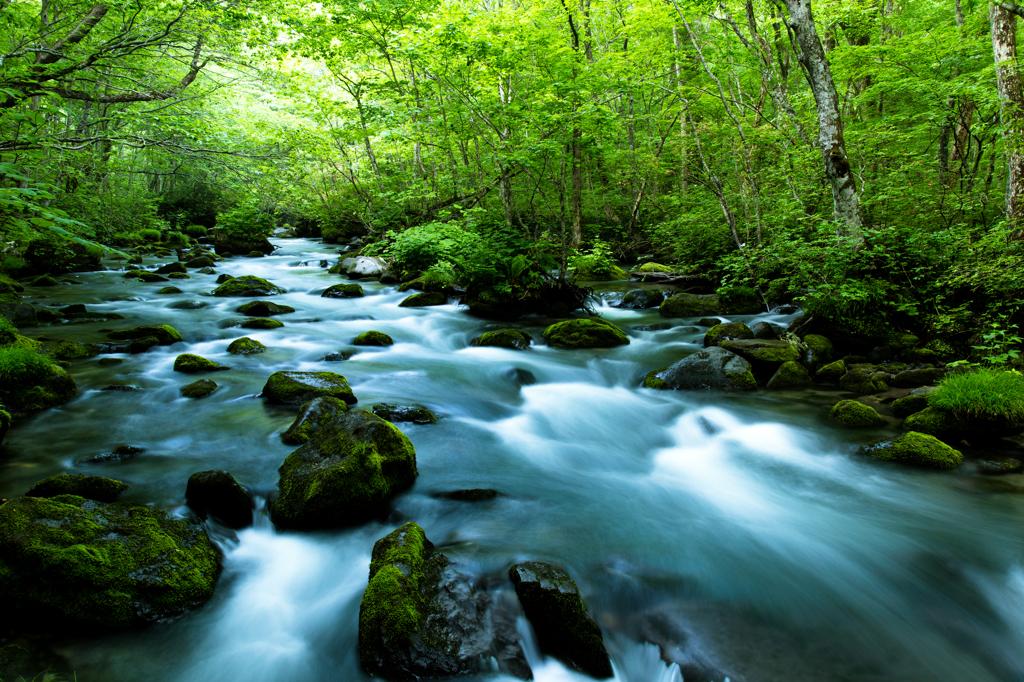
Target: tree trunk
(811, 55)
(1011, 107)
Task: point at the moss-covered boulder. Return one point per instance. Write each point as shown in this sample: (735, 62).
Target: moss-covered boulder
(710, 368)
(169, 268)
(421, 618)
(690, 305)
(164, 333)
(917, 448)
(654, 267)
(73, 350)
(225, 277)
(313, 415)
(200, 262)
(144, 276)
(417, 414)
(227, 245)
(585, 333)
(246, 346)
(864, 379)
(513, 339)
(727, 331)
(179, 275)
(68, 561)
(90, 487)
(855, 415)
(373, 338)
(641, 299)
(915, 378)
(217, 494)
(492, 305)
(264, 309)
(20, 314)
(937, 422)
(296, 388)
(169, 290)
(789, 375)
(762, 352)
(552, 603)
(764, 330)
(831, 374)
(904, 407)
(247, 285)
(343, 291)
(345, 474)
(41, 387)
(199, 389)
(427, 298)
(817, 351)
(261, 323)
(189, 363)
(45, 281)
(610, 272)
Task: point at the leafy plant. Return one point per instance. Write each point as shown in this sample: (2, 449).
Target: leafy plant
(983, 392)
(1001, 343)
(246, 222)
(21, 365)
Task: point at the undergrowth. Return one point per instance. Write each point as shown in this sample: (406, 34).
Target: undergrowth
(985, 392)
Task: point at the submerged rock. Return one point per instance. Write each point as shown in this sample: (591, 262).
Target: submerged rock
(264, 309)
(856, 415)
(917, 448)
(296, 388)
(144, 276)
(373, 338)
(189, 363)
(553, 606)
(998, 467)
(641, 299)
(513, 339)
(90, 487)
(343, 291)
(313, 415)
(420, 617)
(163, 333)
(417, 414)
(345, 474)
(247, 285)
(199, 389)
(467, 495)
(218, 494)
(120, 453)
(68, 561)
(710, 368)
(585, 333)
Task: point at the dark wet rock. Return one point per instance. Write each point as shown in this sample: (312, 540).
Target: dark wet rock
(1000, 466)
(914, 378)
(313, 415)
(388, 277)
(817, 351)
(189, 363)
(247, 285)
(338, 356)
(552, 604)
(343, 291)
(144, 276)
(709, 322)
(373, 338)
(521, 377)
(264, 309)
(427, 298)
(45, 281)
(261, 323)
(916, 448)
(224, 278)
(863, 379)
(142, 344)
(217, 494)
(179, 275)
(789, 375)
(199, 389)
(345, 474)
(73, 350)
(45, 316)
(690, 305)
(110, 362)
(786, 309)
(640, 299)
(422, 618)
(653, 327)
(765, 353)
(853, 414)
(246, 346)
(296, 388)
(417, 414)
(467, 495)
(165, 334)
(904, 407)
(710, 368)
(765, 330)
(227, 245)
(125, 388)
(188, 305)
(19, 313)
(119, 454)
(26, 660)
(68, 561)
(254, 254)
(90, 487)
(206, 271)
(585, 333)
(727, 331)
(200, 262)
(831, 374)
(513, 339)
(171, 268)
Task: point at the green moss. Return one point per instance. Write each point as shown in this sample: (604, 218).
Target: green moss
(654, 267)
(831, 373)
(144, 276)
(264, 309)
(199, 389)
(936, 422)
(922, 355)
(985, 393)
(585, 333)
(790, 375)
(764, 351)
(373, 338)
(651, 380)
(261, 323)
(200, 262)
(853, 414)
(313, 416)
(863, 380)
(169, 290)
(44, 281)
(247, 285)
(513, 339)
(345, 474)
(417, 414)
(76, 562)
(727, 331)
(296, 388)
(343, 291)
(690, 305)
(904, 407)
(917, 448)
(180, 275)
(817, 350)
(246, 346)
(90, 487)
(188, 363)
(8, 332)
(9, 285)
(70, 350)
(31, 381)
(427, 298)
(166, 334)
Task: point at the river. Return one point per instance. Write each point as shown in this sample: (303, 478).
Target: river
(743, 530)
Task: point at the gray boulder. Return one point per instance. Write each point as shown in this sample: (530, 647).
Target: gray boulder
(710, 368)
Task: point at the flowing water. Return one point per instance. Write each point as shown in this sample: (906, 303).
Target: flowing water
(742, 533)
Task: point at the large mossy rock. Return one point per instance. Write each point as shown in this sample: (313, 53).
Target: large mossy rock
(68, 561)
(345, 474)
(904, 407)
(312, 417)
(831, 374)
(343, 291)
(917, 448)
(19, 313)
(144, 276)
(227, 245)
(513, 339)
(373, 338)
(264, 309)
(864, 379)
(52, 386)
(199, 389)
(422, 300)
(163, 333)
(915, 378)
(789, 375)
(248, 285)
(90, 487)
(246, 346)
(711, 368)
(762, 352)
(296, 388)
(641, 299)
(727, 331)
(552, 603)
(491, 305)
(585, 333)
(171, 267)
(217, 494)
(817, 351)
(855, 415)
(417, 414)
(690, 305)
(189, 363)
(420, 618)
(261, 323)
(937, 422)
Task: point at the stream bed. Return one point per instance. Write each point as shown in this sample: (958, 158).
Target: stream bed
(742, 534)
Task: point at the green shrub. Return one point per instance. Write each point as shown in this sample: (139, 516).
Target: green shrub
(21, 365)
(175, 237)
(985, 392)
(246, 222)
(195, 231)
(595, 263)
(11, 265)
(149, 235)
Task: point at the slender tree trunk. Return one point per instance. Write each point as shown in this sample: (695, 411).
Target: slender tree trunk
(1011, 107)
(811, 55)
(684, 171)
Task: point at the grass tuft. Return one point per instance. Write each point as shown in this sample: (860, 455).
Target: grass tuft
(991, 393)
